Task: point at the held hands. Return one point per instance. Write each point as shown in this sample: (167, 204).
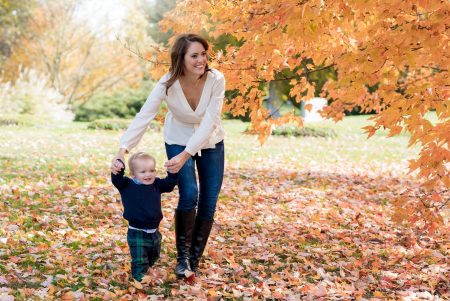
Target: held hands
(176, 163)
(116, 165)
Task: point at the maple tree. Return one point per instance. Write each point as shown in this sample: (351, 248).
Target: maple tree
(390, 56)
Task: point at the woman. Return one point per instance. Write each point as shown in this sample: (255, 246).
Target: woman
(193, 136)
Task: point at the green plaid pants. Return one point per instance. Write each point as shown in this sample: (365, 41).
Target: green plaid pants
(144, 249)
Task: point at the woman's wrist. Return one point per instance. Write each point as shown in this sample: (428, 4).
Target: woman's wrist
(122, 152)
(186, 155)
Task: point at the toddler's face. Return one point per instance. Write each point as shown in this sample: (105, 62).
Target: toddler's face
(144, 171)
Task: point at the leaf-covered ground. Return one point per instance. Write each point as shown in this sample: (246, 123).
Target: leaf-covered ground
(297, 219)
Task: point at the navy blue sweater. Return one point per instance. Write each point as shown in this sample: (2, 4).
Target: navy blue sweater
(142, 203)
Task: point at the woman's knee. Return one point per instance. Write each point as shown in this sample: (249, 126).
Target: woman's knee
(206, 213)
(207, 208)
(187, 201)
(188, 195)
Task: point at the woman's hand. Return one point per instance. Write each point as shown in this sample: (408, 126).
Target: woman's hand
(176, 163)
(116, 165)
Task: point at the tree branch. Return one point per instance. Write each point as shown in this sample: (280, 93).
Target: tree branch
(296, 76)
(139, 55)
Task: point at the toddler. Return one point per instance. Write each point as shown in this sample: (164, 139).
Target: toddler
(141, 199)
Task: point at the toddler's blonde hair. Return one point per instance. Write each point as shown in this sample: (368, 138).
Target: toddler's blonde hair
(139, 156)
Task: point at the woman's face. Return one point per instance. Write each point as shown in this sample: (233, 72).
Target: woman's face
(195, 59)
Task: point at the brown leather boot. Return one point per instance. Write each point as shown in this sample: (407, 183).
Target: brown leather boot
(202, 229)
(184, 224)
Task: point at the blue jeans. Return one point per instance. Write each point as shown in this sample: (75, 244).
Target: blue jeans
(210, 167)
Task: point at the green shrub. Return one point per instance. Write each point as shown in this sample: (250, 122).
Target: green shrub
(291, 130)
(31, 96)
(118, 124)
(121, 104)
(7, 120)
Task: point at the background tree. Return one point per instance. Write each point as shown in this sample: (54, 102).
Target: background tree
(13, 21)
(80, 60)
(154, 12)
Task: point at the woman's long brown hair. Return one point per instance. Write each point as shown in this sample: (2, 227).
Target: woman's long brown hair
(177, 54)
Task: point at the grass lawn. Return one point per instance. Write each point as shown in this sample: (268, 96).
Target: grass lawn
(71, 149)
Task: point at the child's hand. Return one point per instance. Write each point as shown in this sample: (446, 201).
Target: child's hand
(117, 164)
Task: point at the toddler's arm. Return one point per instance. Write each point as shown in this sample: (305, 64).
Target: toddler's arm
(168, 183)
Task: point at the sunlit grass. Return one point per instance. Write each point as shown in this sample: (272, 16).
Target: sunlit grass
(70, 150)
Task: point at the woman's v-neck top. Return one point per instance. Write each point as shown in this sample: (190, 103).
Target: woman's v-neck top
(196, 129)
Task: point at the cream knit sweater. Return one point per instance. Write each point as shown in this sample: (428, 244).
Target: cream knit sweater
(197, 129)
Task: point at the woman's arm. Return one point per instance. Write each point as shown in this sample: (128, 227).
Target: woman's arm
(210, 120)
(137, 128)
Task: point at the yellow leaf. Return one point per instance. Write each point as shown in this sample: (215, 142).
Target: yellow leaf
(137, 284)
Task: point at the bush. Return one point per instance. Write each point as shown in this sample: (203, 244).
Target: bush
(291, 130)
(118, 124)
(30, 96)
(295, 131)
(121, 104)
(16, 120)
(9, 120)
(20, 120)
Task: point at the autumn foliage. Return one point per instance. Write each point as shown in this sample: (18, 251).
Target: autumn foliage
(391, 57)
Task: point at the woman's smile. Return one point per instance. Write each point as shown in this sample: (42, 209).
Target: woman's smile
(195, 59)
